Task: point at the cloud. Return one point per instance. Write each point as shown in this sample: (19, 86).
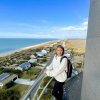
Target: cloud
(60, 32)
(77, 31)
(85, 23)
(82, 27)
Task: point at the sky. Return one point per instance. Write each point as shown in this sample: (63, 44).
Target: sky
(61, 19)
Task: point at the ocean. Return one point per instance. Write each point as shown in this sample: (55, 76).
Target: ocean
(12, 44)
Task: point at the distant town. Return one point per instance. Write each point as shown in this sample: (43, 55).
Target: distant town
(19, 70)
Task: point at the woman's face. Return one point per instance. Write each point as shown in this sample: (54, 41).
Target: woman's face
(59, 51)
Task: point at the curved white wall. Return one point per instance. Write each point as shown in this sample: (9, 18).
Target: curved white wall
(91, 74)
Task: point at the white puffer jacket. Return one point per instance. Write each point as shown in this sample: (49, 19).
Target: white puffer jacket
(57, 69)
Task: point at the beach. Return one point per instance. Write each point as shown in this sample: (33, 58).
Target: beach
(28, 47)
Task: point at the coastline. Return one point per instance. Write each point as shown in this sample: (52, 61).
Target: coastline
(26, 48)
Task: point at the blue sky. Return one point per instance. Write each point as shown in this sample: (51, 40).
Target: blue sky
(43, 18)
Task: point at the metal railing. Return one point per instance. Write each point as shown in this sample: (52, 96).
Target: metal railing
(39, 98)
(44, 88)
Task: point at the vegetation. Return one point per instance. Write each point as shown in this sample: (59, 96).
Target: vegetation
(13, 93)
(33, 64)
(17, 57)
(47, 94)
(32, 73)
(10, 94)
(45, 81)
(9, 85)
(26, 57)
(18, 72)
(44, 60)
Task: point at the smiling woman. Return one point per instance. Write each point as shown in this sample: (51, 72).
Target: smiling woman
(57, 70)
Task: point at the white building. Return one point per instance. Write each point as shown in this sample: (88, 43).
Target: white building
(40, 54)
(32, 60)
(32, 56)
(68, 55)
(44, 51)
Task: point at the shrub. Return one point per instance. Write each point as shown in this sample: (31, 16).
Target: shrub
(44, 60)
(10, 84)
(12, 71)
(33, 64)
(10, 94)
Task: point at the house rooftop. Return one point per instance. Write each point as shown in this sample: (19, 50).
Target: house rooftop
(6, 79)
(4, 76)
(23, 65)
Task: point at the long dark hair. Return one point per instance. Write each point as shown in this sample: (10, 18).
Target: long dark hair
(60, 46)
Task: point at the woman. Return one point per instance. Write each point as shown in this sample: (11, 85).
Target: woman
(57, 70)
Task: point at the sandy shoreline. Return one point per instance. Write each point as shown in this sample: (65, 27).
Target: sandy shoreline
(25, 48)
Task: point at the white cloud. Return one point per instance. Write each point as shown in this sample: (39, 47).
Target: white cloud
(85, 23)
(77, 31)
(82, 27)
(70, 28)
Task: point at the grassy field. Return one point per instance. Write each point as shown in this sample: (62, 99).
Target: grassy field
(32, 73)
(78, 45)
(21, 88)
(15, 92)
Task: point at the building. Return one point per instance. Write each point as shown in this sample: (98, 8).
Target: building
(25, 65)
(32, 60)
(44, 51)
(43, 65)
(32, 56)
(40, 54)
(68, 55)
(6, 78)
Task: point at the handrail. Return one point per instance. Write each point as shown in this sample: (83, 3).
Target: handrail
(44, 88)
(32, 87)
(49, 83)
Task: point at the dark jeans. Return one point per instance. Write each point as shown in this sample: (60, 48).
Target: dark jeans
(58, 90)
